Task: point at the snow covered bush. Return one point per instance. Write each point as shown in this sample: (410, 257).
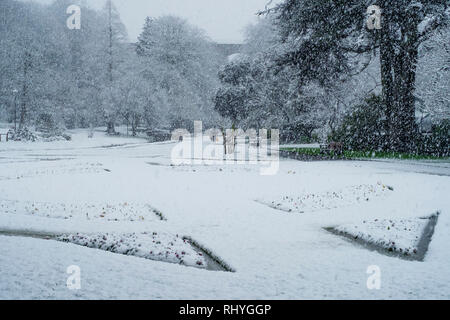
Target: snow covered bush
(363, 128)
(25, 134)
(436, 144)
(152, 246)
(49, 129)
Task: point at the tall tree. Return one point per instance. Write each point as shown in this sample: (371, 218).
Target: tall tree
(320, 38)
(181, 64)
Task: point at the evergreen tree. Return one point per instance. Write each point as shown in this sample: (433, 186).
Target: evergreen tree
(320, 37)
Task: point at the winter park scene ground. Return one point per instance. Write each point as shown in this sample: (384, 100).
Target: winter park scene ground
(118, 209)
(306, 159)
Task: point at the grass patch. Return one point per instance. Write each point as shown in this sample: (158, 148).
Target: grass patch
(305, 151)
(352, 154)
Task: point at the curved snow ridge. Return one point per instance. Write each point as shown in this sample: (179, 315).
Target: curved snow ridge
(331, 199)
(113, 212)
(155, 246)
(405, 238)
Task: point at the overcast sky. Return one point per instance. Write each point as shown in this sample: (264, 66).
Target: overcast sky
(223, 20)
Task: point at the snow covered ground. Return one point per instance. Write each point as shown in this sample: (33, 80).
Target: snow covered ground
(126, 190)
(399, 236)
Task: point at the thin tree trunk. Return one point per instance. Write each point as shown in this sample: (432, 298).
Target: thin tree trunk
(110, 64)
(398, 61)
(24, 107)
(408, 130)
(111, 123)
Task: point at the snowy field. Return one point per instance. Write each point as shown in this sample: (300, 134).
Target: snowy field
(115, 207)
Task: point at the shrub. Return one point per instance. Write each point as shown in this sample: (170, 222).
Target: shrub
(436, 144)
(363, 128)
(24, 135)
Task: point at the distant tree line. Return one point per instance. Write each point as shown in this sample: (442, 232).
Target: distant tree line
(53, 78)
(310, 65)
(310, 68)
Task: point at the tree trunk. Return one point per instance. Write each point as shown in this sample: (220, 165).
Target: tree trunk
(24, 108)
(110, 48)
(408, 129)
(111, 128)
(398, 60)
(110, 125)
(134, 125)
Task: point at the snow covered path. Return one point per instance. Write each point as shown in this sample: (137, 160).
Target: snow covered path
(275, 254)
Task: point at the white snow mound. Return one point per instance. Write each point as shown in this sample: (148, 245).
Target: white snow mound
(400, 235)
(123, 211)
(331, 199)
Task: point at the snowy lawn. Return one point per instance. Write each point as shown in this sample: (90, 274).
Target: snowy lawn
(121, 187)
(348, 196)
(153, 246)
(84, 211)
